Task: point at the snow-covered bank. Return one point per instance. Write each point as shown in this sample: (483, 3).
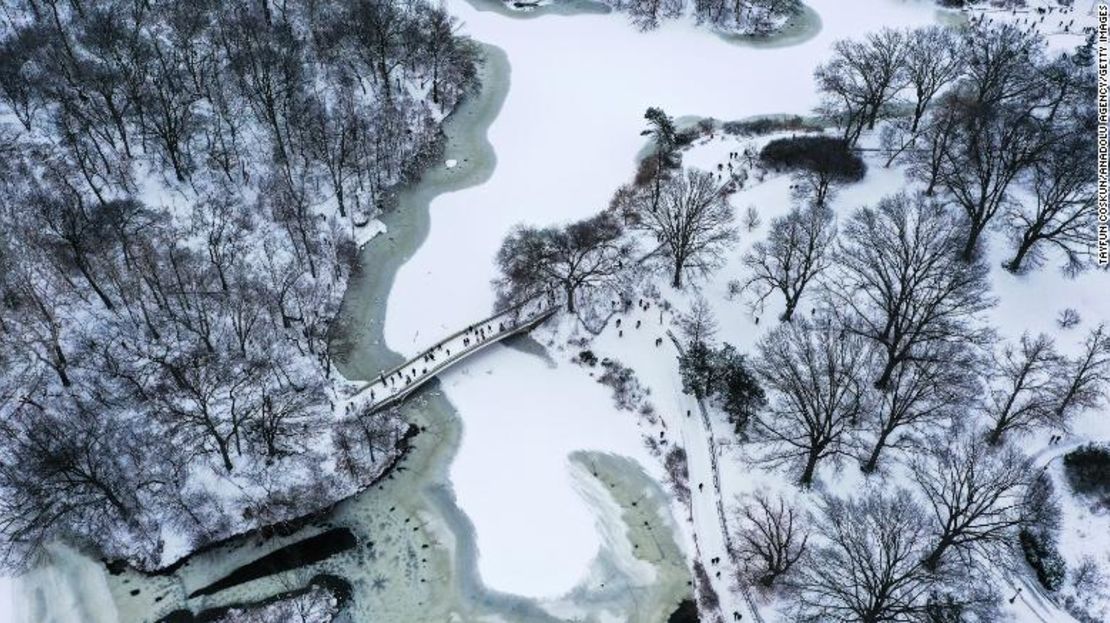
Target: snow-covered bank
(67, 587)
(565, 139)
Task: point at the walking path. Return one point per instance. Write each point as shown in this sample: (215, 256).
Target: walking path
(711, 528)
(393, 386)
(639, 333)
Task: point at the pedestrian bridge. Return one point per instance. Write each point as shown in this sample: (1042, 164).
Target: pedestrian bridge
(393, 386)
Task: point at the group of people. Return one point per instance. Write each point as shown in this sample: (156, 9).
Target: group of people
(480, 333)
(1032, 21)
(644, 305)
(624, 305)
(474, 334)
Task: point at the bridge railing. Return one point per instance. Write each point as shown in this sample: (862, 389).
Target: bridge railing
(535, 310)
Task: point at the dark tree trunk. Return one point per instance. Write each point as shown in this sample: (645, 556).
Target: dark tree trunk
(811, 466)
(932, 562)
(788, 313)
(888, 371)
(1014, 265)
(873, 460)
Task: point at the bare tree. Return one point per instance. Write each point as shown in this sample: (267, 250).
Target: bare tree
(991, 146)
(441, 44)
(362, 438)
(74, 234)
(794, 254)
(772, 536)
(693, 221)
(698, 325)
(143, 343)
(861, 78)
(696, 363)
(922, 393)
(379, 28)
(1002, 64)
(939, 129)
(896, 281)
(745, 16)
(868, 565)
(1063, 215)
(934, 60)
(812, 375)
(647, 14)
(70, 473)
(579, 258)
(1082, 381)
(42, 331)
(20, 80)
(974, 493)
(1020, 397)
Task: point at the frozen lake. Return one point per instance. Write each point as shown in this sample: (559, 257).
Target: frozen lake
(566, 137)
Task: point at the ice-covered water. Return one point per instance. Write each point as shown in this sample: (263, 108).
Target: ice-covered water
(566, 137)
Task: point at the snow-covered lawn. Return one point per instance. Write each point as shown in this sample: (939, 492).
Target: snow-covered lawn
(1025, 303)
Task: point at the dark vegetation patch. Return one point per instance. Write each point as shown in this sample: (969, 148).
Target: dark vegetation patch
(1088, 471)
(687, 613)
(767, 125)
(825, 155)
(587, 358)
(1039, 534)
(1042, 554)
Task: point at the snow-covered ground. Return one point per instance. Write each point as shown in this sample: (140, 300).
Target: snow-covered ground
(1026, 303)
(565, 138)
(7, 598)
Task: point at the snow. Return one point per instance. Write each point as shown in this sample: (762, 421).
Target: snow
(1051, 24)
(369, 231)
(565, 138)
(522, 419)
(71, 589)
(7, 598)
(657, 368)
(1029, 302)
